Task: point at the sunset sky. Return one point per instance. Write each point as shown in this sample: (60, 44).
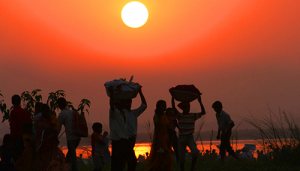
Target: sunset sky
(245, 53)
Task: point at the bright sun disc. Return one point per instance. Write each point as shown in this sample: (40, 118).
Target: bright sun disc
(134, 14)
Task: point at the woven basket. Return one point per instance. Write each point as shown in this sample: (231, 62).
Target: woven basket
(183, 96)
(124, 94)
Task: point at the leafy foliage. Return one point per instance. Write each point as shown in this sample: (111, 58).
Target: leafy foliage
(52, 100)
(4, 110)
(29, 99)
(82, 105)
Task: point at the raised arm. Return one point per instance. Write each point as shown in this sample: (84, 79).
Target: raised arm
(203, 112)
(173, 106)
(111, 98)
(142, 96)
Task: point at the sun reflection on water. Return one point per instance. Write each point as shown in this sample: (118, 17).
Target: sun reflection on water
(143, 148)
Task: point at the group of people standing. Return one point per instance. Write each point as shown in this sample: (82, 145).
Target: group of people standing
(165, 120)
(32, 145)
(123, 132)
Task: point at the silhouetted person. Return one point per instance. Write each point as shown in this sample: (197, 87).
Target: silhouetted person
(161, 154)
(18, 116)
(107, 156)
(51, 156)
(98, 143)
(29, 159)
(118, 133)
(132, 116)
(171, 129)
(6, 151)
(186, 123)
(66, 118)
(225, 124)
(37, 114)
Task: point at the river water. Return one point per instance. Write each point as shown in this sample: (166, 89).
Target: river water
(143, 148)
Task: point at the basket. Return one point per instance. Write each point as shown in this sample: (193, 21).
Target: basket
(123, 94)
(183, 96)
(122, 88)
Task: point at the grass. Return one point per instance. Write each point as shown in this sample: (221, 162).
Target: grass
(279, 133)
(208, 165)
(277, 130)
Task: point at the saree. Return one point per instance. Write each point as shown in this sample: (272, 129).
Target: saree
(28, 160)
(50, 154)
(161, 161)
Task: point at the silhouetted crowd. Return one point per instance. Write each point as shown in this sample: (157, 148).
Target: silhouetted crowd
(32, 145)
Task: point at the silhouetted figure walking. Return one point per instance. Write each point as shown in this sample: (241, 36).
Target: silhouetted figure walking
(186, 123)
(171, 129)
(118, 133)
(161, 153)
(132, 116)
(225, 124)
(66, 118)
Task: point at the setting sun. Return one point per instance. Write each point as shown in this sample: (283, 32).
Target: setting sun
(134, 14)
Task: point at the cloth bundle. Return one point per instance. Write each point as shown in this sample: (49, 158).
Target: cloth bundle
(122, 89)
(185, 93)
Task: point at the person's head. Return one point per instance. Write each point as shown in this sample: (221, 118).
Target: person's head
(45, 111)
(27, 128)
(16, 100)
(126, 104)
(62, 103)
(97, 127)
(185, 107)
(161, 106)
(7, 139)
(37, 107)
(170, 112)
(217, 106)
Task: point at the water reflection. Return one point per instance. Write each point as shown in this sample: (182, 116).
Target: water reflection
(143, 148)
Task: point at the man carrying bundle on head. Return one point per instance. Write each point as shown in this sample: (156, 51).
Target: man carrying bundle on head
(132, 116)
(123, 122)
(186, 124)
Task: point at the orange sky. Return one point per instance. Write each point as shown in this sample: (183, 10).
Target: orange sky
(244, 53)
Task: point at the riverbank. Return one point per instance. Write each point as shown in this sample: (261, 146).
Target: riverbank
(209, 165)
